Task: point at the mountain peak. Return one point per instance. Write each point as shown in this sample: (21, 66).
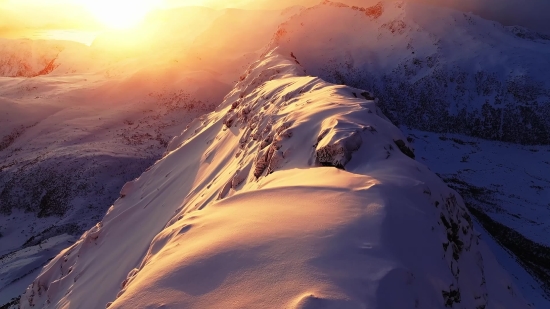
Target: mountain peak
(295, 192)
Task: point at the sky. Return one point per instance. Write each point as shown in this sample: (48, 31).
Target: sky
(43, 14)
(62, 14)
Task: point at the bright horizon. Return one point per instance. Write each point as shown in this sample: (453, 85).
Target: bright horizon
(24, 15)
(78, 20)
(120, 14)
(83, 20)
(18, 15)
(79, 14)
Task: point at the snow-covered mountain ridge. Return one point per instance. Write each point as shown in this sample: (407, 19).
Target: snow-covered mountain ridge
(105, 117)
(433, 69)
(294, 193)
(71, 138)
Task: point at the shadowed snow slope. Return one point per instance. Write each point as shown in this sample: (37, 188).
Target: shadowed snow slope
(294, 193)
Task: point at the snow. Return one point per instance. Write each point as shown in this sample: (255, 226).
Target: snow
(516, 176)
(26, 264)
(71, 137)
(433, 69)
(379, 231)
(529, 286)
(293, 192)
(514, 189)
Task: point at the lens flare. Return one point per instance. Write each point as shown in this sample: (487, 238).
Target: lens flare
(120, 14)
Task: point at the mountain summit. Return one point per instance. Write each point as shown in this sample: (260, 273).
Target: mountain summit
(294, 193)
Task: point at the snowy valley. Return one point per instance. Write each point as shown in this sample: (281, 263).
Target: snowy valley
(285, 168)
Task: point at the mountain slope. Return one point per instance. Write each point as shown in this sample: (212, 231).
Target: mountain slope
(66, 157)
(70, 138)
(26, 58)
(433, 69)
(506, 186)
(294, 193)
(449, 72)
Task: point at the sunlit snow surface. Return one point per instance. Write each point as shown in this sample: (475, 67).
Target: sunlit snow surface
(92, 118)
(250, 206)
(241, 214)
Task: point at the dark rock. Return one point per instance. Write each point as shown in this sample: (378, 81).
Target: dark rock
(404, 149)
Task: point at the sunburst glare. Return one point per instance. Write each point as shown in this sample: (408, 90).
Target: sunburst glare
(120, 14)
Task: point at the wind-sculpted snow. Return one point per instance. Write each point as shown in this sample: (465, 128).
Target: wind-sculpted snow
(432, 68)
(294, 193)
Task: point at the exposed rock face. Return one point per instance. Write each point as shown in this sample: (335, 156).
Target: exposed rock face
(337, 147)
(404, 148)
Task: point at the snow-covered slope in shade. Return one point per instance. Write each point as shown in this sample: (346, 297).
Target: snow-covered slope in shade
(294, 193)
(433, 68)
(507, 187)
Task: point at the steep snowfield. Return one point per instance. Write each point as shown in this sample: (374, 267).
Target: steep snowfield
(434, 69)
(294, 193)
(515, 180)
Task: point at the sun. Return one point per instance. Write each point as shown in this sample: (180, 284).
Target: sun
(120, 14)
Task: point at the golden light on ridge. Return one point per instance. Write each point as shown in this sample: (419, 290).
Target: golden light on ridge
(120, 14)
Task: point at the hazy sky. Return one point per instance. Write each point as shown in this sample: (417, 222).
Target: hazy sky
(20, 14)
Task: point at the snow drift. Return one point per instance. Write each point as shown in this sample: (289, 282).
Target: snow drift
(294, 193)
